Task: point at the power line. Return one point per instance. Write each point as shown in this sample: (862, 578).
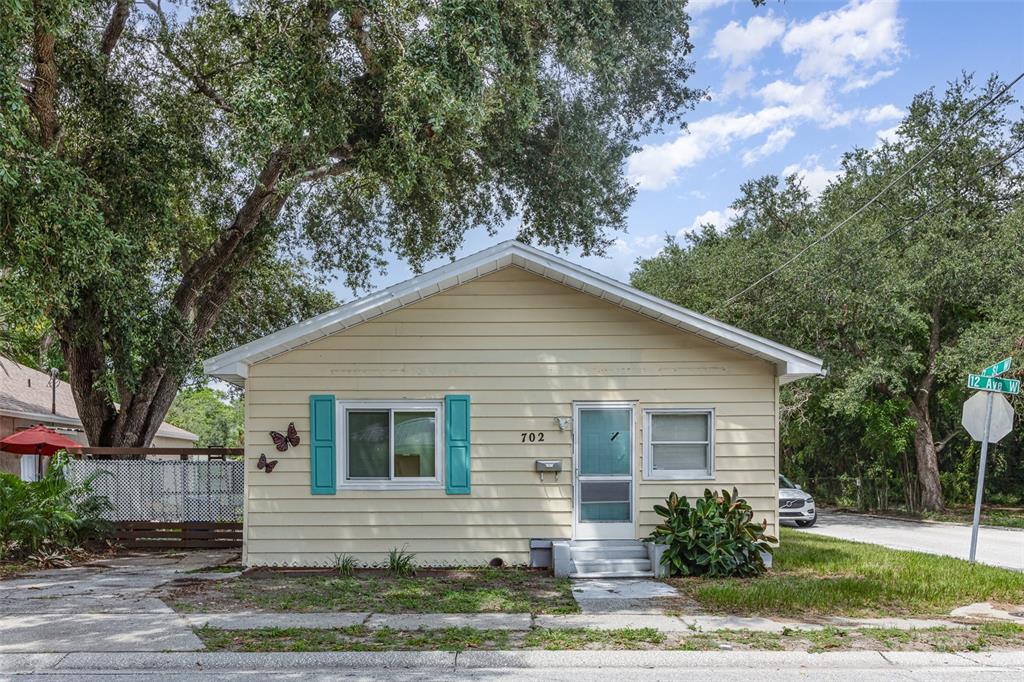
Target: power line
(875, 198)
(869, 248)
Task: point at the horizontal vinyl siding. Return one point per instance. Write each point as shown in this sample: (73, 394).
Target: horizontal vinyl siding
(524, 348)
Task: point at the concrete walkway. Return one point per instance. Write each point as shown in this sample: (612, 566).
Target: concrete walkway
(1003, 547)
(101, 606)
(524, 621)
(550, 666)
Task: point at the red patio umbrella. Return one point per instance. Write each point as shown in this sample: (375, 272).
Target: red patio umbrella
(37, 440)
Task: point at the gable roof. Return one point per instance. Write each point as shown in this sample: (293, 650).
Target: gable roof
(25, 393)
(232, 366)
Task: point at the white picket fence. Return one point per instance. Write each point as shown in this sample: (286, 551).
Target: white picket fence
(148, 490)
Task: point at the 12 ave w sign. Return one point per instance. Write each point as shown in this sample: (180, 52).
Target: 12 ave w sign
(980, 382)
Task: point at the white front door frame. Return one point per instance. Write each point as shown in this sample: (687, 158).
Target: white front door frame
(594, 530)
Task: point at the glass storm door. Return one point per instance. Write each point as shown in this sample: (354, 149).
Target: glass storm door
(604, 471)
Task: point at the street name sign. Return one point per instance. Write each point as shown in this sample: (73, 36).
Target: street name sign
(991, 383)
(988, 417)
(999, 368)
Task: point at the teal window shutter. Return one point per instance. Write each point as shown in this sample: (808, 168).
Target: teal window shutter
(322, 460)
(456, 444)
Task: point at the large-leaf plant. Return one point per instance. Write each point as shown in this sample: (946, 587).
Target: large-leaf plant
(715, 537)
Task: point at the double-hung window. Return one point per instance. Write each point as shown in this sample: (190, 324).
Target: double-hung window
(390, 444)
(679, 444)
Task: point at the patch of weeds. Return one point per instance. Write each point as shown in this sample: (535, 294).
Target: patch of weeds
(890, 638)
(698, 643)
(401, 564)
(582, 638)
(826, 639)
(344, 565)
(223, 568)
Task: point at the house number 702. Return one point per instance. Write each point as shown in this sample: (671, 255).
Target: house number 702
(533, 437)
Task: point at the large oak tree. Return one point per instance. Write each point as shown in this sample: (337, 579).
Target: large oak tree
(913, 292)
(156, 154)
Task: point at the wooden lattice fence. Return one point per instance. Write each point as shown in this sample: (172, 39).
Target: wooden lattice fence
(170, 504)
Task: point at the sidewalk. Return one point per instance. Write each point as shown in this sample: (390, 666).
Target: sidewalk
(546, 665)
(524, 621)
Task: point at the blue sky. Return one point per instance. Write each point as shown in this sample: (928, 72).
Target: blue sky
(794, 85)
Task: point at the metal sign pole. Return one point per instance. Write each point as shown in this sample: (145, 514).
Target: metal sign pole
(981, 477)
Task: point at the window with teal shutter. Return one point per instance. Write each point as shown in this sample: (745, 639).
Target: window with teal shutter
(322, 431)
(456, 444)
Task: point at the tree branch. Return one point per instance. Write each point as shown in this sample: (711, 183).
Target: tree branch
(361, 38)
(43, 93)
(945, 441)
(115, 26)
(201, 84)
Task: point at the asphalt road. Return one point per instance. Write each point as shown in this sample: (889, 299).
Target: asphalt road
(1002, 547)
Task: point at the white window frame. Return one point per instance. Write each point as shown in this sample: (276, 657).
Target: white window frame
(391, 483)
(653, 474)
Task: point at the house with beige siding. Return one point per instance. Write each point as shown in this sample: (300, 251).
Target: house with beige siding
(510, 405)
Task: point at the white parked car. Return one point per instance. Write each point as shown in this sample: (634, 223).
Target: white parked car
(795, 505)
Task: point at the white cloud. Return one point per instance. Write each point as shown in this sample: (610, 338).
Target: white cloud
(843, 43)
(865, 81)
(720, 219)
(886, 112)
(774, 143)
(815, 178)
(643, 243)
(736, 82)
(695, 7)
(738, 44)
(888, 134)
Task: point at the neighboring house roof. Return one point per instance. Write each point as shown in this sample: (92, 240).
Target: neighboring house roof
(25, 393)
(233, 365)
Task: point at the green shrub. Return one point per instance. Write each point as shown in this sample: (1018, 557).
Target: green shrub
(715, 537)
(401, 564)
(345, 565)
(49, 516)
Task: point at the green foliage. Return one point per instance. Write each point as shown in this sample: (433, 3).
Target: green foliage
(159, 201)
(49, 516)
(217, 418)
(715, 537)
(915, 291)
(401, 564)
(345, 565)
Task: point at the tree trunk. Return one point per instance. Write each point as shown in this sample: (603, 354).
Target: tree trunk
(927, 460)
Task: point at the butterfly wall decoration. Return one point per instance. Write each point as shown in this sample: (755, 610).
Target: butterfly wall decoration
(267, 466)
(281, 442)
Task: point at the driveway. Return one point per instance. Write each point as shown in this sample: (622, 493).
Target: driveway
(1002, 547)
(105, 605)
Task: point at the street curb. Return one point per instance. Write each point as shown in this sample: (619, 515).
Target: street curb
(930, 522)
(478, 660)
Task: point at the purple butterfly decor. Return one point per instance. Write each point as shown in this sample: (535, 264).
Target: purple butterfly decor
(281, 442)
(267, 466)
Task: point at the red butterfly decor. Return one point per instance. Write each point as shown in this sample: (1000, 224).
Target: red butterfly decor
(281, 442)
(265, 465)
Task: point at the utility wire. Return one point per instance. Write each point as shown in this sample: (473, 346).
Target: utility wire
(903, 226)
(875, 198)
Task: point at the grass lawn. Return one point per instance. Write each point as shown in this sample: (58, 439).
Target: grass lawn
(1005, 636)
(485, 590)
(819, 576)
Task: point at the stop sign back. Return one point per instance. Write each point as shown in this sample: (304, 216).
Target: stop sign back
(974, 417)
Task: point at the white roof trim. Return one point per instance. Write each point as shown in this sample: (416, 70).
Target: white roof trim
(233, 365)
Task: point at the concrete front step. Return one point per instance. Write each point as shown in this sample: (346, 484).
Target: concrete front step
(608, 553)
(613, 566)
(603, 559)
